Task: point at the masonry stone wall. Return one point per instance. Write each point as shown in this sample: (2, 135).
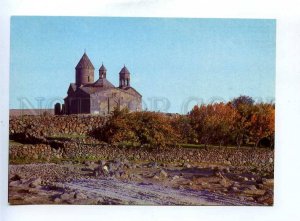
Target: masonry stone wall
(35, 129)
(80, 151)
(105, 101)
(54, 124)
(33, 152)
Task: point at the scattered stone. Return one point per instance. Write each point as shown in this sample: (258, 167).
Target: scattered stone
(254, 192)
(101, 171)
(225, 183)
(205, 185)
(35, 182)
(105, 169)
(59, 185)
(242, 198)
(227, 162)
(80, 196)
(99, 200)
(234, 188)
(181, 187)
(15, 183)
(33, 190)
(268, 182)
(152, 165)
(163, 174)
(252, 187)
(186, 165)
(67, 196)
(57, 200)
(156, 177)
(175, 177)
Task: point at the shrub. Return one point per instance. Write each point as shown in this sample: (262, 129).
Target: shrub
(137, 128)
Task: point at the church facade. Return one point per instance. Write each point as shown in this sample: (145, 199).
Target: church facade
(87, 96)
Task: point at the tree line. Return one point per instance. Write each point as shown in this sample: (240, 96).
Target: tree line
(238, 122)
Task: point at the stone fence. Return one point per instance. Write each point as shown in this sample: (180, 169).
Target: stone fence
(51, 125)
(63, 137)
(70, 150)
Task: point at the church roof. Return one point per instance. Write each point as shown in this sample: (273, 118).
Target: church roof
(90, 90)
(73, 86)
(85, 62)
(103, 82)
(124, 70)
(130, 89)
(102, 68)
(99, 85)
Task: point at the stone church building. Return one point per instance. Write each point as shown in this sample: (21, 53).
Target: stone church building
(87, 96)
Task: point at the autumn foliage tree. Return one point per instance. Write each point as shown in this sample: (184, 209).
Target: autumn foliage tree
(183, 128)
(238, 122)
(242, 122)
(213, 122)
(262, 123)
(137, 129)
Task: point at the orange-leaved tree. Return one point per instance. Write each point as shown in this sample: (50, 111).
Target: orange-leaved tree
(213, 123)
(262, 123)
(137, 128)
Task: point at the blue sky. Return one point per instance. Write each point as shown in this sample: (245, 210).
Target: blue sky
(182, 61)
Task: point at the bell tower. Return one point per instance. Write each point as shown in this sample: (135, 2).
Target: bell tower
(124, 78)
(102, 72)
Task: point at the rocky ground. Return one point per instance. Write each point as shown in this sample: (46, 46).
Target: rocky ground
(54, 160)
(132, 182)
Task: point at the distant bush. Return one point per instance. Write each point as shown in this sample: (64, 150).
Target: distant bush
(137, 129)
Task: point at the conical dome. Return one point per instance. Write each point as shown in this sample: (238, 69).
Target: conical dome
(85, 62)
(102, 68)
(124, 70)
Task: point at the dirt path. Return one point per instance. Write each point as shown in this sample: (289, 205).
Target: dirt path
(136, 184)
(148, 194)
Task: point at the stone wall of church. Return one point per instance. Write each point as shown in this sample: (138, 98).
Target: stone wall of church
(77, 103)
(106, 101)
